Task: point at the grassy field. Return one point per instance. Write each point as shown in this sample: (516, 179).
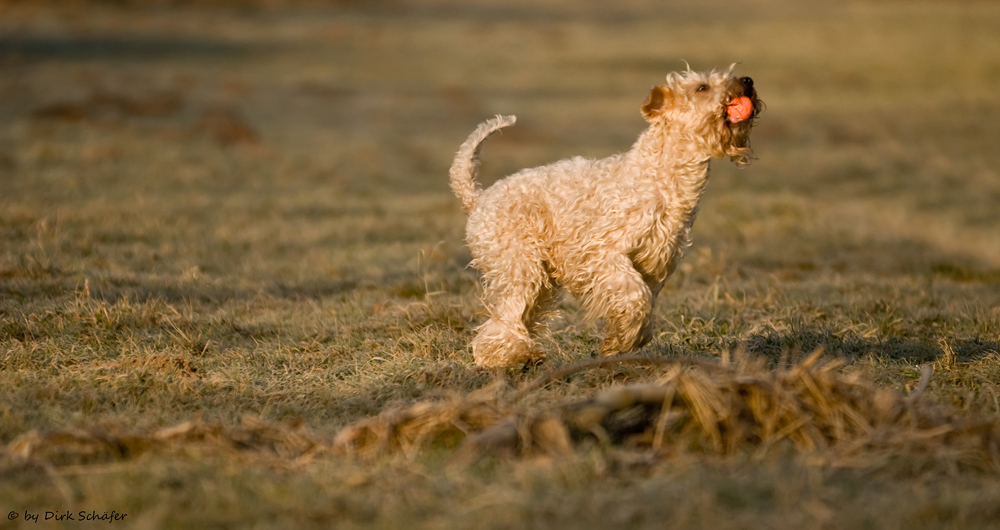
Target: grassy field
(226, 235)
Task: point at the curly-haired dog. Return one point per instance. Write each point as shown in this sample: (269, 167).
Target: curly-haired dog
(609, 231)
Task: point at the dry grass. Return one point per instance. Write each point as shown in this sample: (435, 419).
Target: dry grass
(745, 409)
(108, 443)
(693, 409)
(233, 287)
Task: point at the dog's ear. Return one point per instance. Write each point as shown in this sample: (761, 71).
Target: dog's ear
(660, 98)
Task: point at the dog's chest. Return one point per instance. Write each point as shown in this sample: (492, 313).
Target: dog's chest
(661, 239)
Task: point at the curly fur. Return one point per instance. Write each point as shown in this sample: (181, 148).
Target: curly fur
(610, 231)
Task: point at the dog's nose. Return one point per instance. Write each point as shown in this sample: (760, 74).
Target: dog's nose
(747, 82)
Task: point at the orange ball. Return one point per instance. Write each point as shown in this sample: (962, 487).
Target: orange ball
(739, 109)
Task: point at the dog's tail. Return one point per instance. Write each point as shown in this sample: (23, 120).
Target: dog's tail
(466, 165)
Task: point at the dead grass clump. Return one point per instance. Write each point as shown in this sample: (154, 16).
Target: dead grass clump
(719, 409)
(221, 123)
(226, 126)
(111, 106)
(106, 443)
(425, 423)
(158, 363)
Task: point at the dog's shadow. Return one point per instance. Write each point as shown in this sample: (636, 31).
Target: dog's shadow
(776, 346)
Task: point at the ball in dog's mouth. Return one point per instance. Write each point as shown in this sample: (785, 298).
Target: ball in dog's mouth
(739, 109)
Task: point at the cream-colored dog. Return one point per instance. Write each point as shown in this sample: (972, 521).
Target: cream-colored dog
(609, 231)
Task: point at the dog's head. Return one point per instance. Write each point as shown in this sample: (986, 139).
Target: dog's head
(714, 110)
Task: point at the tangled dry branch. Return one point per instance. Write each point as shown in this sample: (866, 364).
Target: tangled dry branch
(813, 406)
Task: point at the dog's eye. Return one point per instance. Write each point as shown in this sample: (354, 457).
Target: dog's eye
(702, 87)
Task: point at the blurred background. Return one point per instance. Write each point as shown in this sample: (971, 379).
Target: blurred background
(230, 135)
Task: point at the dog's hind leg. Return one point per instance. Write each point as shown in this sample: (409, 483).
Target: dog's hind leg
(544, 308)
(515, 298)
